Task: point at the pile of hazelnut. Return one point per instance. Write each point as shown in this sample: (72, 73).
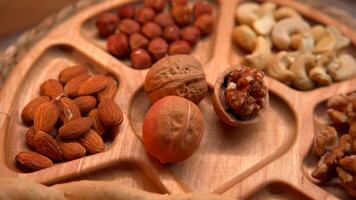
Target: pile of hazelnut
(335, 144)
(148, 33)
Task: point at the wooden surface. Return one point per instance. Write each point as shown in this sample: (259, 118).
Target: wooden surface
(268, 160)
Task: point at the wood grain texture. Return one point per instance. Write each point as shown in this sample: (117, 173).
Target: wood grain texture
(246, 162)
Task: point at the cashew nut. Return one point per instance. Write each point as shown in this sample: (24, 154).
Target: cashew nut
(342, 41)
(247, 13)
(259, 57)
(318, 32)
(319, 75)
(278, 67)
(303, 42)
(342, 68)
(333, 41)
(244, 37)
(300, 68)
(285, 28)
(269, 7)
(264, 25)
(285, 12)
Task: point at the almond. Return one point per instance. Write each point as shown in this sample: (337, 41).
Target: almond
(110, 90)
(33, 160)
(75, 128)
(68, 110)
(30, 135)
(92, 142)
(72, 150)
(110, 113)
(46, 117)
(72, 86)
(98, 126)
(85, 103)
(29, 110)
(71, 72)
(51, 88)
(47, 146)
(92, 85)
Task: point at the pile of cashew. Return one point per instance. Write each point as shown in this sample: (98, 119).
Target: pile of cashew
(279, 41)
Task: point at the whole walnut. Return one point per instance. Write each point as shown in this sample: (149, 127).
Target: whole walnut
(106, 24)
(172, 142)
(179, 75)
(118, 45)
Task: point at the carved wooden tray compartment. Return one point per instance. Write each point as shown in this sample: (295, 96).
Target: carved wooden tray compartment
(268, 160)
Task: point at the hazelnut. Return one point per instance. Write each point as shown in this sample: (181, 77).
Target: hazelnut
(118, 45)
(151, 30)
(164, 19)
(145, 14)
(179, 47)
(157, 5)
(140, 59)
(126, 11)
(129, 26)
(158, 47)
(167, 143)
(179, 75)
(205, 23)
(191, 34)
(179, 2)
(240, 96)
(171, 33)
(137, 40)
(106, 24)
(201, 8)
(182, 14)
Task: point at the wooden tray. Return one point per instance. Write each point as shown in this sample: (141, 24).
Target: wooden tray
(268, 160)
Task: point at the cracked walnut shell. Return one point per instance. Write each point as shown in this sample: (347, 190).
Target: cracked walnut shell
(178, 75)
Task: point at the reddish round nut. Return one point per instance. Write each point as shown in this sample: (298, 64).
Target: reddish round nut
(129, 26)
(179, 2)
(191, 34)
(201, 8)
(205, 23)
(137, 40)
(164, 19)
(145, 14)
(182, 14)
(158, 47)
(106, 24)
(140, 59)
(151, 30)
(179, 47)
(171, 33)
(157, 5)
(118, 45)
(126, 11)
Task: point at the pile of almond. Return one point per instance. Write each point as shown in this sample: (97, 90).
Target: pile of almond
(70, 118)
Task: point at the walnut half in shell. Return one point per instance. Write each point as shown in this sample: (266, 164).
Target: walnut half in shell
(240, 96)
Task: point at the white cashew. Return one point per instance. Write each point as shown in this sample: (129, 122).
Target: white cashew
(303, 42)
(244, 37)
(318, 32)
(300, 68)
(278, 67)
(260, 56)
(285, 12)
(247, 13)
(319, 75)
(285, 28)
(333, 41)
(342, 68)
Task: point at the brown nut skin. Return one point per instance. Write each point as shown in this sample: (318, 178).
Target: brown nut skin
(158, 47)
(118, 45)
(205, 23)
(179, 75)
(201, 8)
(145, 14)
(182, 14)
(129, 26)
(179, 2)
(191, 34)
(151, 30)
(179, 47)
(157, 5)
(164, 19)
(140, 59)
(171, 33)
(137, 40)
(220, 104)
(172, 143)
(126, 11)
(106, 24)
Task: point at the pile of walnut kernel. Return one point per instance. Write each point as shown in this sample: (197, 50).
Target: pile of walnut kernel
(148, 33)
(245, 92)
(335, 144)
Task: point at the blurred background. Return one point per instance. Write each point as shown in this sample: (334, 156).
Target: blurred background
(16, 16)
